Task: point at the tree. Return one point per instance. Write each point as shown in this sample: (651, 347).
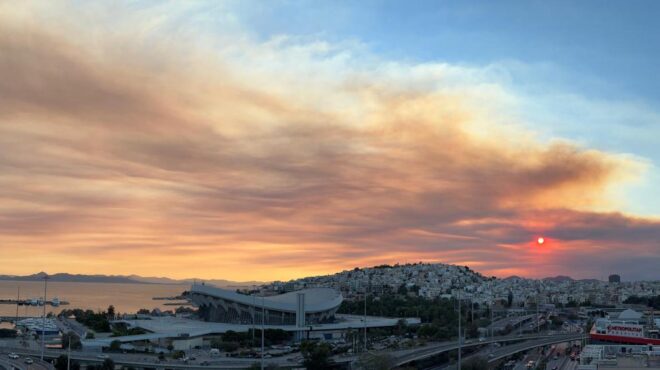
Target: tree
(509, 299)
(372, 361)
(8, 333)
(401, 326)
(111, 311)
(649, 301)
(229, 346)
(316, 355)
(60, 362)
(73, 338)
(97, 321)
(115, 346)
(473, 330)
(556, 321)
(108, 364)
(475, 363)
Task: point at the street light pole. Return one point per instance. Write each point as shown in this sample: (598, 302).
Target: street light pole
(459, 332)
(365, 320)
(18, 298)
(538, 322)
(43, 320)
(490, 303)
(68, 355)
(263, 315)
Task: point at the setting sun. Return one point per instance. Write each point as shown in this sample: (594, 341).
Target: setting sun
(540, 241)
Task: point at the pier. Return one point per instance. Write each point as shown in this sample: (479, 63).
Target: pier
(33, 302)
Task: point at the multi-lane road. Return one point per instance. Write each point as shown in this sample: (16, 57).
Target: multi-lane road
(507, 351)
(19, 364)
(401, 357)
(527, 342)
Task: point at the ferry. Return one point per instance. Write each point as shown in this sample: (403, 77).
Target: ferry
(622, 332)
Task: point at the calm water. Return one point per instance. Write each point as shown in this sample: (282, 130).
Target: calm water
(95, 296)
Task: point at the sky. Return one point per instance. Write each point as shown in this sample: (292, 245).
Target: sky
(269, 140)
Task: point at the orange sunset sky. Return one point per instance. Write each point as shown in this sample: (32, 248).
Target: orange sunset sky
(175, 140)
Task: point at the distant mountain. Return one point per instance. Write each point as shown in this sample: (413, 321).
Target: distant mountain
(559, 278)
(592, 280)
(217, 282)
(74, 278)
(513, 277)
(121, 279)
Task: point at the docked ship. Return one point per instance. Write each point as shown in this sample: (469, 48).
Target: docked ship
(627, 328)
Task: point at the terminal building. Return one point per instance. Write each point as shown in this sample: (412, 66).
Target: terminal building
(307, 313)
(299, 308)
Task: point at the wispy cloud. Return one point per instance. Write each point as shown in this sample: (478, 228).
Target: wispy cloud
(147, 148)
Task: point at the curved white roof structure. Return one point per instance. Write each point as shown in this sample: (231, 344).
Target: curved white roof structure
(316, 299)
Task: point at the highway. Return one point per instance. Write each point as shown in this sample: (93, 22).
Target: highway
(513, 321)
(401, 357)
(507, 351)
(531, 341)
(137, 360)
(19, 364)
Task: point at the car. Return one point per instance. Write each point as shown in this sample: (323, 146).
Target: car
(555, 367)
(13, 356)
(102, 356)
(481, 339)
(28, 361)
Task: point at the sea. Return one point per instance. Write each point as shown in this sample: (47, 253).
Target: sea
(126, 298)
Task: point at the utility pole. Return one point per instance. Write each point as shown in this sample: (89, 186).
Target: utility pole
(538, 302)
(68, 355)
(263, 318)
(459, 332)
(18, 298)
(491, 321)
(365, 319)
(43, 320)
(538, 321)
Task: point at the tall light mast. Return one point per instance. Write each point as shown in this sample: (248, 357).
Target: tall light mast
(43, 320)
(459, 331)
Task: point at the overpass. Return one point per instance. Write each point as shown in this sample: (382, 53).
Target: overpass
(400, 357)
(137, 361)
(531, 341)
(507, 351)
(19, 364)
